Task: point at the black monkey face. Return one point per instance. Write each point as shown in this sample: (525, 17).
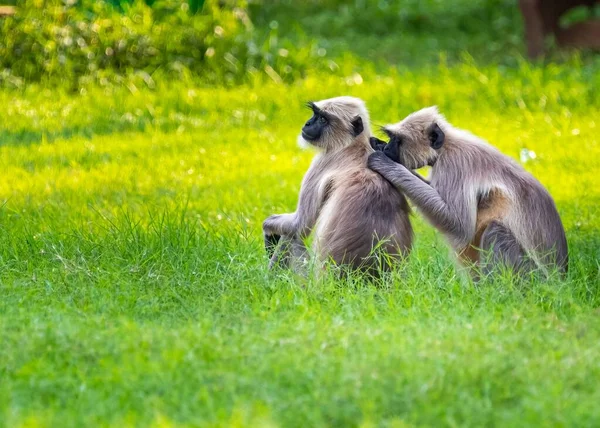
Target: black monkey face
(414, 148)
(392, 148)
(334, 124)
(313, 129)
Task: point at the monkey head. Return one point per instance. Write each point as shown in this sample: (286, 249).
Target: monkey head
(335, 123)
(417, 140)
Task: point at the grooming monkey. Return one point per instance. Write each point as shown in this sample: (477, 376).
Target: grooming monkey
(349, 209)
(493, 212)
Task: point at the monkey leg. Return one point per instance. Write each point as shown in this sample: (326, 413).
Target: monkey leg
(299, 257)
(271, 242)
(290, 252)
(281, 252)
(500, 249)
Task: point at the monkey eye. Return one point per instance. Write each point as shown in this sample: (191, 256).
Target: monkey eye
(322, 120)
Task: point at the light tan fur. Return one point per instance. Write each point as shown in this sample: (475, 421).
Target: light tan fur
(493, 207)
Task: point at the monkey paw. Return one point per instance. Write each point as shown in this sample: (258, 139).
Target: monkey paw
(377, 144)
(379, 162)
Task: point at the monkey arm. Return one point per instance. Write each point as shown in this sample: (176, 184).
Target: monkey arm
(452, 218)
(310, 204)
(280, 224)
(378, 145)
(300, 223)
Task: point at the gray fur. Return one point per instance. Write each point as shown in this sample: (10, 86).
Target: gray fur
(476, 195)
(500, 248)
(346, 208)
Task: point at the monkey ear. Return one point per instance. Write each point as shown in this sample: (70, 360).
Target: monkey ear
(357, 126)
(436, 136)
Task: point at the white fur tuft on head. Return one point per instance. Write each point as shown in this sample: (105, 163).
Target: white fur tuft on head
(420, 119)
(426, 116)
(347, 108)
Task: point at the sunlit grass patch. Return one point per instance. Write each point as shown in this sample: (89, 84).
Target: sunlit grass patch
(134, 281)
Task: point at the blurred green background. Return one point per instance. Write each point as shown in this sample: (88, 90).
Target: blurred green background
(75, 42)
(143, 144)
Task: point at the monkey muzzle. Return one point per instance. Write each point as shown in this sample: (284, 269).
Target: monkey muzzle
(312, 130)
(392, 149)
(310, 136)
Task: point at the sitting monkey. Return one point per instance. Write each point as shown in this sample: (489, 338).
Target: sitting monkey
(349, 209)
(493, 212)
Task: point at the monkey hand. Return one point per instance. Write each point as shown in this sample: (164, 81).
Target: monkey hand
(390, 170)
(280, 224)
(377, 144)
(380, 163)
(270, 237)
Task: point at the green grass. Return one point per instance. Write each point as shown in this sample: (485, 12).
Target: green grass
(134, 288)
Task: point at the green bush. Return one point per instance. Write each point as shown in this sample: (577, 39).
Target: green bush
(78, 41)
(408, 33)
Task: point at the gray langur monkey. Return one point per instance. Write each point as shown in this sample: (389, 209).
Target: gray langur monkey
(347, 209)
(493, 212)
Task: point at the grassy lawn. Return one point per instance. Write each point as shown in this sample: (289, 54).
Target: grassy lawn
(134, 288)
